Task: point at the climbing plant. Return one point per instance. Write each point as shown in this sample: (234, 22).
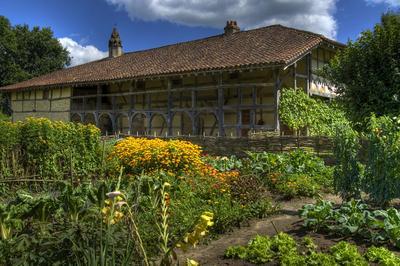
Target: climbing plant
(299, 111)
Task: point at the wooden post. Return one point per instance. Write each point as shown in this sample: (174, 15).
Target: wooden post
(98, 98)
(170, 106)
(277, 96)
(308, 72)
(34, 106)
(295, 75)
(253, 109)
(132, 97)
(220, 110)
(239, 112)
(194, 105)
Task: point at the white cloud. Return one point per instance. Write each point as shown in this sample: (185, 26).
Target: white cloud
(313, 15)
(391, 3)
(81, 54)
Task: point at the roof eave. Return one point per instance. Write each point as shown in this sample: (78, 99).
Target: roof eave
(155, 76)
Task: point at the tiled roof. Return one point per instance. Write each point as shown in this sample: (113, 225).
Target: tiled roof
(271, 45)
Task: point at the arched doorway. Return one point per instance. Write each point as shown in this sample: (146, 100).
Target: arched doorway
(181, 124)
(158, 125)
(105, 124)
(89, 119)
(139, 124)
(122, 123)
(76, 118)
(207, 124)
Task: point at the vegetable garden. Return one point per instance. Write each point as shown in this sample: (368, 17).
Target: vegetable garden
(70, 198)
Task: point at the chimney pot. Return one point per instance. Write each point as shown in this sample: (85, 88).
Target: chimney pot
(231, 27)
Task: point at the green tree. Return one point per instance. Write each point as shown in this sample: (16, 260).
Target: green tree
(26, 53)
(367, 71)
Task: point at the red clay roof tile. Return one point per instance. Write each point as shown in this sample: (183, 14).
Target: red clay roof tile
(269, 45)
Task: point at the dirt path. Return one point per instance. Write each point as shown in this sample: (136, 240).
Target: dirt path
(287, 220)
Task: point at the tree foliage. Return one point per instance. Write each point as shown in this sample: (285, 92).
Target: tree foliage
(367, 72)
(26, 53)
(297, 110)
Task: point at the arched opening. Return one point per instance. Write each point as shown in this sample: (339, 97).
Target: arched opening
(105, 124)
(89, 119)
(122, 123)
(207, 124)
(181, 124)
(139, 124)
(76, 118)
(158, 125)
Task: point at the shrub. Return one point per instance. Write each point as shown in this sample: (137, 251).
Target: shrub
(245, 189)
(348, 173)
(383, 167)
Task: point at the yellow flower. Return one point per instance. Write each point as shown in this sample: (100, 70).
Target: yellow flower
(190, 262)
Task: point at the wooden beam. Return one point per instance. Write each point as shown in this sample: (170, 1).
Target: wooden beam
(132, 88)
(239, 112)
(220, 112)
(277, 99)
(309, 62)
(294, 76)
(253, 107)
(194, 105)
(98, 98)
(200, 88)
(169, 108)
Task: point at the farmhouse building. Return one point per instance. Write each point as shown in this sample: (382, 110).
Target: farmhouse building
(225, 85)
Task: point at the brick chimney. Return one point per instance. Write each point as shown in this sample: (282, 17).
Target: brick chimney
(114, 44)
(231, 27)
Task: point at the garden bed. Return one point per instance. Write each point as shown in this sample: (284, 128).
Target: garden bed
(287, 220)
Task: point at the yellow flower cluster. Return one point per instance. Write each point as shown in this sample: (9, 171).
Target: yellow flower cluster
(111, 211)
(200, 230)
(141, 154)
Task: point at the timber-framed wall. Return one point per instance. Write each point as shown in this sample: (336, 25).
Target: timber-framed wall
(211, 104)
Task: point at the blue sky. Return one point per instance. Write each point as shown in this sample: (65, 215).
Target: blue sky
(84, 26)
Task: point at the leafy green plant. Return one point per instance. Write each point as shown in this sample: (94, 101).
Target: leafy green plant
(345, 253)
(297, 173)
(353, 217)
(263, 249)
(390, 225)
(299, 111)
(317, 215)
(382, 256)
(223, 163)
(282, 249)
